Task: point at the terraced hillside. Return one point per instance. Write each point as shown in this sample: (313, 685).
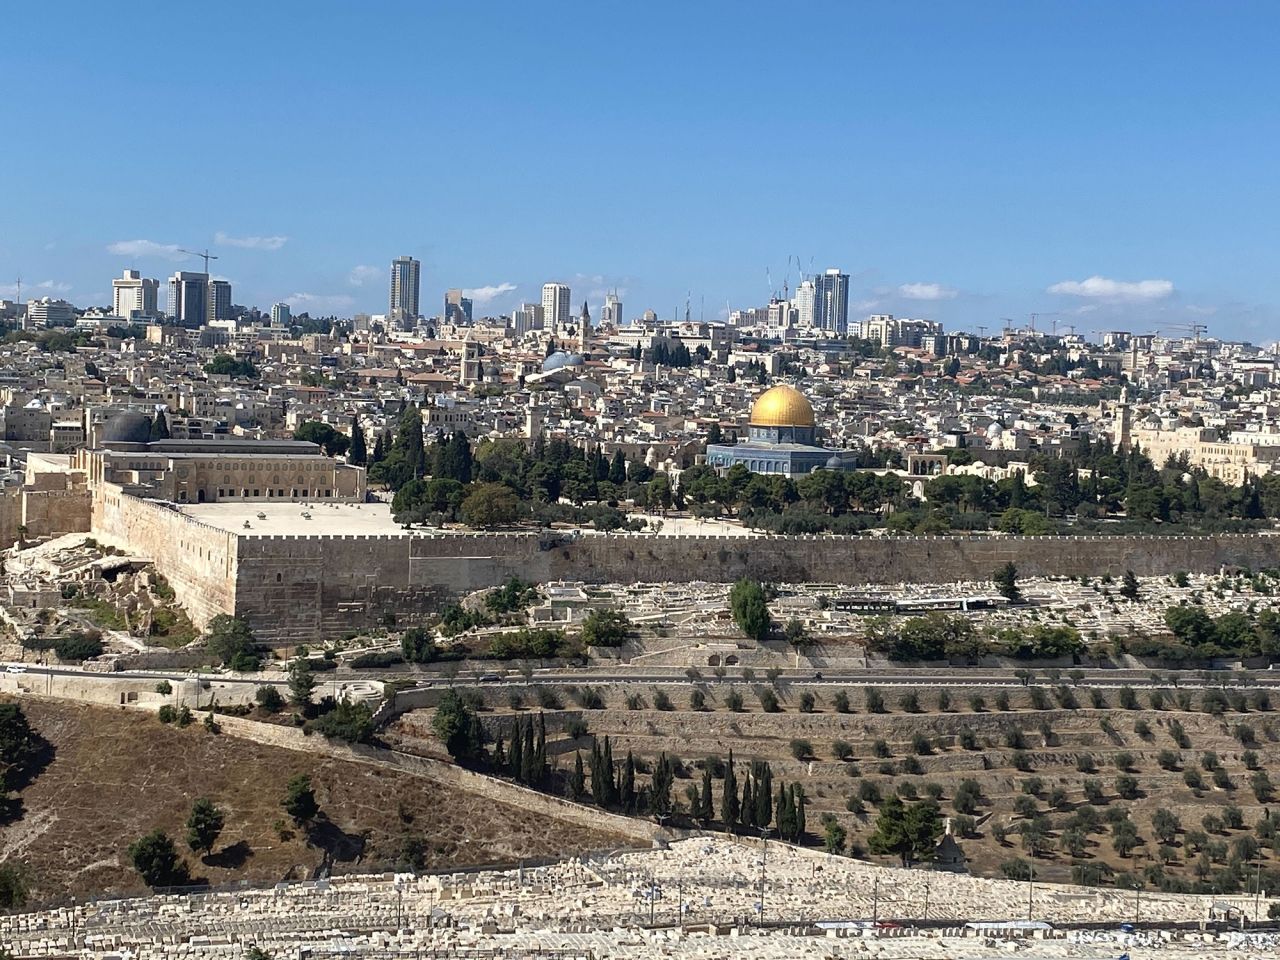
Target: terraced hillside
(1049, 770)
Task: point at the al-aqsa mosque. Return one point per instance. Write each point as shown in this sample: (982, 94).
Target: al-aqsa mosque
(780, 440)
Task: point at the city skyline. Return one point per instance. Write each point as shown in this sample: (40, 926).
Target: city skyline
(973, 164)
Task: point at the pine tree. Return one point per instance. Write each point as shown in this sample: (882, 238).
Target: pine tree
(358, 453)
(729, 796)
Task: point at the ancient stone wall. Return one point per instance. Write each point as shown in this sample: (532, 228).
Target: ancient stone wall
(198, 560)
(313, 587)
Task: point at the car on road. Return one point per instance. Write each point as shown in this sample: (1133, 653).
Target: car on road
(489, 678)
(15, 668)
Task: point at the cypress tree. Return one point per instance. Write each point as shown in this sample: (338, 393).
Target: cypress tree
(597, 774)
(705, 811)
(540, 768)
(628, 788)
(499, 756)
(747, 808)
(359, 453)
(618, 468)
(379, 449)
(527, 755)
(797, 803)
(516, 762)
(577, 784)
(729, 796)
(610, 775)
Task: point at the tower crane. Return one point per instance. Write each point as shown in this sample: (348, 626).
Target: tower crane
(206, 256)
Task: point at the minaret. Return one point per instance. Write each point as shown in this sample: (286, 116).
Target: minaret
(584, 329)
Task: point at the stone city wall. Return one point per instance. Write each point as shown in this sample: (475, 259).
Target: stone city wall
(313, 587)
(198, 560)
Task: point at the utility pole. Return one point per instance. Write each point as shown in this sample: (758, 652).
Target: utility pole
(925, 916)
(1257, 891)
(875, 901)
(1031, 884)
(764, 860)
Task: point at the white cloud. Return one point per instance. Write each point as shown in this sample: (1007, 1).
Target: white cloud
(864, 306)
(1104, 288)
(483, 295)
(52, 286)
(927, 291)
(320, 301)
(250, 243)
(362, 274)
(146, 248)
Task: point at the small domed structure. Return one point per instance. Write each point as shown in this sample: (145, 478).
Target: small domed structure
(126, 427)
(561, 358)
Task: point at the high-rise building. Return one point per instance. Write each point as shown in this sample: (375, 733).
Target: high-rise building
(219, 300)
(189, 298)
(805, 304)
(526, 317)
(405, 275)
(280, 314)
(831, 302)
(132, 295)
(457, 308)
(555, 306)
(611, 313)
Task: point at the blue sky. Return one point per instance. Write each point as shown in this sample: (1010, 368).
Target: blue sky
(1102, 164)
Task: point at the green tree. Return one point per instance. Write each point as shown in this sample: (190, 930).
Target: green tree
(300, 800)
(605, 628)
(333, 442)
(204, 825)
(20, 746)
(268, 697)
(907, 832)
(13, 887)
(1129, 586)
(359, 453)
(1006, 582)
(156, 860)
(231, 641)
(457, 726)
(301, 682)
(490, 505)
(750, 609)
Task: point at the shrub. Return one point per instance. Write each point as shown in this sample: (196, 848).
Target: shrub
(1002, 701)
(807, 702)
(920, 744)
(868, 792)
(842, 750)
(1021, 761)
(912, 766)
(909, 702)
(1123, 760)
(840, 702)
(968, 739)
(874, 699)
(801, 749)
(1191, 777)
(768, 700)
(1085, 764)
(733, 700)
(1128, 699)
(661, 701)
(880, 749)
(269, 699)
(855, 805)
(1092, 790)
(697, 700)
(164, 687)
(1167, 759)
(944, 700)
(1127, 787)
(976, 703)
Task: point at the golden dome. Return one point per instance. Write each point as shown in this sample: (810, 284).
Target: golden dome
(781, 406)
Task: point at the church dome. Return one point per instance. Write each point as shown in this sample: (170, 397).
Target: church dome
(781, 406)
(561, 359)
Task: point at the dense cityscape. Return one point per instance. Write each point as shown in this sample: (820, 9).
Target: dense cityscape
(441, 515)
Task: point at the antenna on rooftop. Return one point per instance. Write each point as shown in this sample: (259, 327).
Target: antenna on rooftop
(18, 284)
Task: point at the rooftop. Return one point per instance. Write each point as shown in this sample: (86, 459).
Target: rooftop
(285, 518)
